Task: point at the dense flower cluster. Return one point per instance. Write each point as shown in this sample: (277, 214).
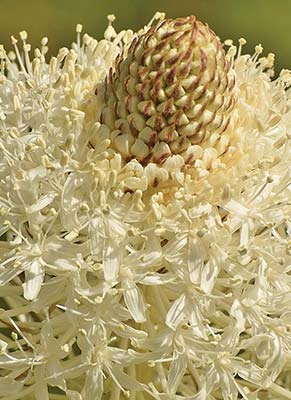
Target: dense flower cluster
(129, 280)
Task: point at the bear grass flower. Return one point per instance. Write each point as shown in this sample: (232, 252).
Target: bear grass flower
(145, 202)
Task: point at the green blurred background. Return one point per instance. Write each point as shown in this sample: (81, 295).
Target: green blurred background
(259, 21)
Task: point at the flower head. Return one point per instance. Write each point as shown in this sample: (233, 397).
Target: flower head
(144, 207)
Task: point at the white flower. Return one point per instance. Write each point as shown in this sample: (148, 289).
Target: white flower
(131, 274)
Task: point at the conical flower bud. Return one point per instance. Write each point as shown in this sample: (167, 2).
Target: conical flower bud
(169, 93)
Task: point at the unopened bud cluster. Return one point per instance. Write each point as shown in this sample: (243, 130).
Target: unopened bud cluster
(171, 93)
(145, 255)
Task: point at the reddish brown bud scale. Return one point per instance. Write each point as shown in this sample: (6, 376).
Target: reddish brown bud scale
(173, 89)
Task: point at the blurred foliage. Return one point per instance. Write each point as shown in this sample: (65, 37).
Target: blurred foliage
(259, 21)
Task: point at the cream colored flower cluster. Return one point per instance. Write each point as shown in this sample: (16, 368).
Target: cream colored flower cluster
(128, 280)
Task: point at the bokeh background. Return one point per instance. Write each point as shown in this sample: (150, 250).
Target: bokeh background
(259, 21)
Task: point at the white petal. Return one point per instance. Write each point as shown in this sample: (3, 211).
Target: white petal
(123, 380)
(41, 390)
(9, 386)
(153, 251)
(244, 235)
(276, 359)
(202, 395)
(196, 319)
(200, 209)
(70, 202)
(93, 387)
(228, 388)
(176, 373)
(173, 248)
(116, 228)
(3, 346)
(41, 203)
(111, 262)
(96, 235)
(53, 289)
(236, 208)
(8, 273)
(208, 276)
(34, 275)
(157, 279)
(177, 312)
(237, 312)
(73, 395)
(196, 257)
(55, 374)
(134, 301)
(250, 372)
